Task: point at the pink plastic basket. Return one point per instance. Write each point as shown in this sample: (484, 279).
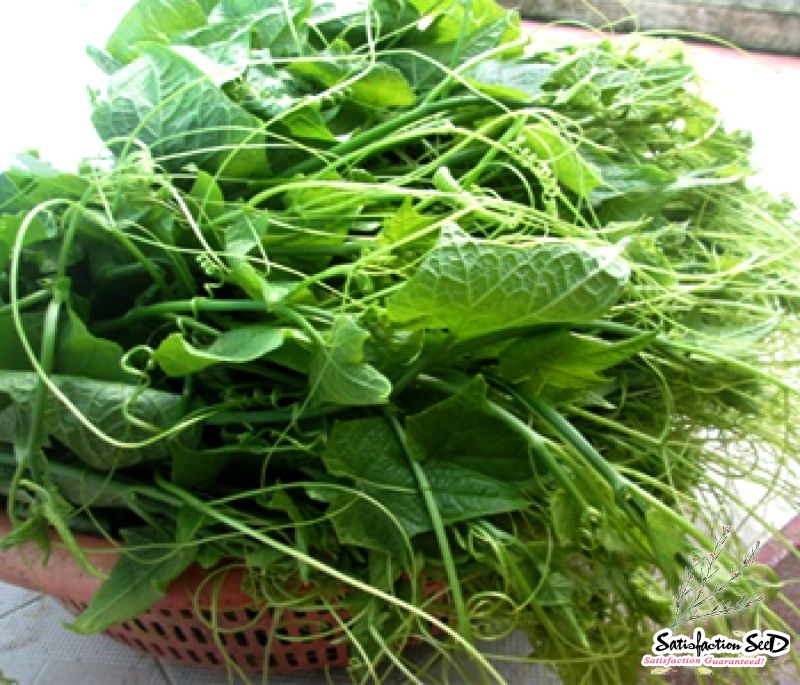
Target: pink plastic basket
(178, 626)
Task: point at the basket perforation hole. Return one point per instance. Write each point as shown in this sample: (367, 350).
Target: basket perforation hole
(155, 647)
(251, 660)
(179, 633)
(231, 616)
(331, 654)
(175, 653)
(166, 613)
(159, 629)
(312, 657)
(291, 659)
(124, 638)
(193, 656)
(241, 639)
(140, 625)
(213, 658)
(199, 635)
(187, 613)
(273, 662)
(261, 636)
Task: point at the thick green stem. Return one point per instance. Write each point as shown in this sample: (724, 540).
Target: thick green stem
(193, 306)
(453, 581)
(383, 131)
(31, 300)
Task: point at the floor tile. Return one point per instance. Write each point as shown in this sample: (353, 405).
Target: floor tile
(12, 598)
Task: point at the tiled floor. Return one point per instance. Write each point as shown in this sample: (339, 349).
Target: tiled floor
(49, 110)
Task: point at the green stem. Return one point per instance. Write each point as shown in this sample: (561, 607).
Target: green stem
(453, 581)
(268, 417)
(620, 486)
(382, 131)
(31, 300)
(196, 304)
(535, 441)
(537, 444)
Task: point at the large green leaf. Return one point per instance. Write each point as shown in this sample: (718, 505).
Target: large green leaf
(138, 580)
(563, 359)
(368, 451)
(167, 103)
(472, 287)
(110, 406)
(463, 430)
(339, 373)
(153, 21)
(178, 357)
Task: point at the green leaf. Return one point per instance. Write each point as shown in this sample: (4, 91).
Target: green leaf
(37, 231)
(12, 354)
(277, 27)
(178, 357)
(138, 580)
(31, 181)
(153, 21)
(456, 20)
(368, 451)
(208, 200)
(521, 81)
(463, 430)
(79, 353)
(338, 371)
(472, 287)
(379, 85)
(411, 227)
(667, 542)
(565, 517)
(383, 86)
(566, 360)
(167, 103)
(199, 468)
(103, 60)
(562, 155)
(108, 405)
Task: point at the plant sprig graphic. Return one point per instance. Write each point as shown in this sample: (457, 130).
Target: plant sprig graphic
(696, 595)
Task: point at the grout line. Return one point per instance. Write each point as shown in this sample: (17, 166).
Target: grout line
(164, 672)
(19, 607)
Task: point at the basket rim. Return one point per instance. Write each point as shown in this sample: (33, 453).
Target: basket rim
(59, 575)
